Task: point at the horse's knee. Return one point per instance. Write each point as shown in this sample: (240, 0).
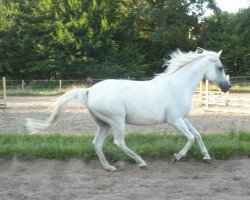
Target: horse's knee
(197, 136)
(119, 144)
(191, 139)
(96, 145)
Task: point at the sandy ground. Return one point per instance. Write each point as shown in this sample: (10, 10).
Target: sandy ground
(75, 179)
(76, 118)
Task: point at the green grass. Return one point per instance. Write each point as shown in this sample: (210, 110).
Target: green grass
(41, 91)
(149, 145)
(35, 92)
(236, 88)
(240, 89)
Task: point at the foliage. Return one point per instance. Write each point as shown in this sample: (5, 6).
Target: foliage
(229, 32)
(54, 39)
(149, 145)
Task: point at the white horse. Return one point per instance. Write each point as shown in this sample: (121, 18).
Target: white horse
(164, 99)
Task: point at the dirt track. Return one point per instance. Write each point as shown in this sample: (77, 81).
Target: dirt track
(74, 179)
(76, 119)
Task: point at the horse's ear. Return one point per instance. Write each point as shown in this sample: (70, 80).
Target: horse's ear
(199, 50)
(219, 53)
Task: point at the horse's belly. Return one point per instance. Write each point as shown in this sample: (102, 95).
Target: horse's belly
(143, 120)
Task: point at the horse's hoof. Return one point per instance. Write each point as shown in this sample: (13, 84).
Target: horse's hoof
(111, 169)
(173, 159)
(119, 165)
(208, 161)
(144, 167)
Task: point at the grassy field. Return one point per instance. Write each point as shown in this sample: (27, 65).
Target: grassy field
(35, 92)
(149, 145)
(234, 89)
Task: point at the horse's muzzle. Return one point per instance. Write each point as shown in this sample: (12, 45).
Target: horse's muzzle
(225, 87)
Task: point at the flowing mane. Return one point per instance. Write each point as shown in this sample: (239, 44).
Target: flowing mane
(178, 59)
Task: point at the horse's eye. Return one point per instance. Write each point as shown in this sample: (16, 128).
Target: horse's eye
(220, 68)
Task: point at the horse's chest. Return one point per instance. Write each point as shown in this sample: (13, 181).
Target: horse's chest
(179, 109)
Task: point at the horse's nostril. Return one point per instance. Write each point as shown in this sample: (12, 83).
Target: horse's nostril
(230, 85)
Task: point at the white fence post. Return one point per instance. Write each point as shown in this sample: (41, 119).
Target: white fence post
(207, 94)
(60, 84)
(4, 92)
(23, 86)
(227, 94)
(201, 92)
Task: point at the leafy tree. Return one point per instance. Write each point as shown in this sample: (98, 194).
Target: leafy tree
(49, 39)
(229, 32)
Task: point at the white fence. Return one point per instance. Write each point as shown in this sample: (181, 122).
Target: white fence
(24, 87)
(28, 85)
(218, 101)
(213, 100)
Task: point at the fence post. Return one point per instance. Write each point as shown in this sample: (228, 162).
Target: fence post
(4, 92)
(207, 94)
(201, 92)
(60, 84)
(227, 94)
(23, 86)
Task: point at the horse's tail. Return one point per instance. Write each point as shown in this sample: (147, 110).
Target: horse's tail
(34, 125)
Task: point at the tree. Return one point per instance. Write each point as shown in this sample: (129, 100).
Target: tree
(229, 32)
(50, 39)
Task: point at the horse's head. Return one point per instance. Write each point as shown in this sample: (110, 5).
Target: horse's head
(216, 74)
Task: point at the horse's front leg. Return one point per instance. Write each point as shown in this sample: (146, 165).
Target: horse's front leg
(182, 127)
(197, 136)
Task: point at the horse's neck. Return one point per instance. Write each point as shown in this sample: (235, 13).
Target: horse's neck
(190, 75)
(186, 78)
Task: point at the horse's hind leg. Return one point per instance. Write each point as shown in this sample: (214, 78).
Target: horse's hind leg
(119, 141)
(103, 130)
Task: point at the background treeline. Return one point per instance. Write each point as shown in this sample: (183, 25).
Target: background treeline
(75, 39)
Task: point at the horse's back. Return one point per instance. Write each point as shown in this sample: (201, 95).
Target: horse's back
(112, 87)
(137, 102)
